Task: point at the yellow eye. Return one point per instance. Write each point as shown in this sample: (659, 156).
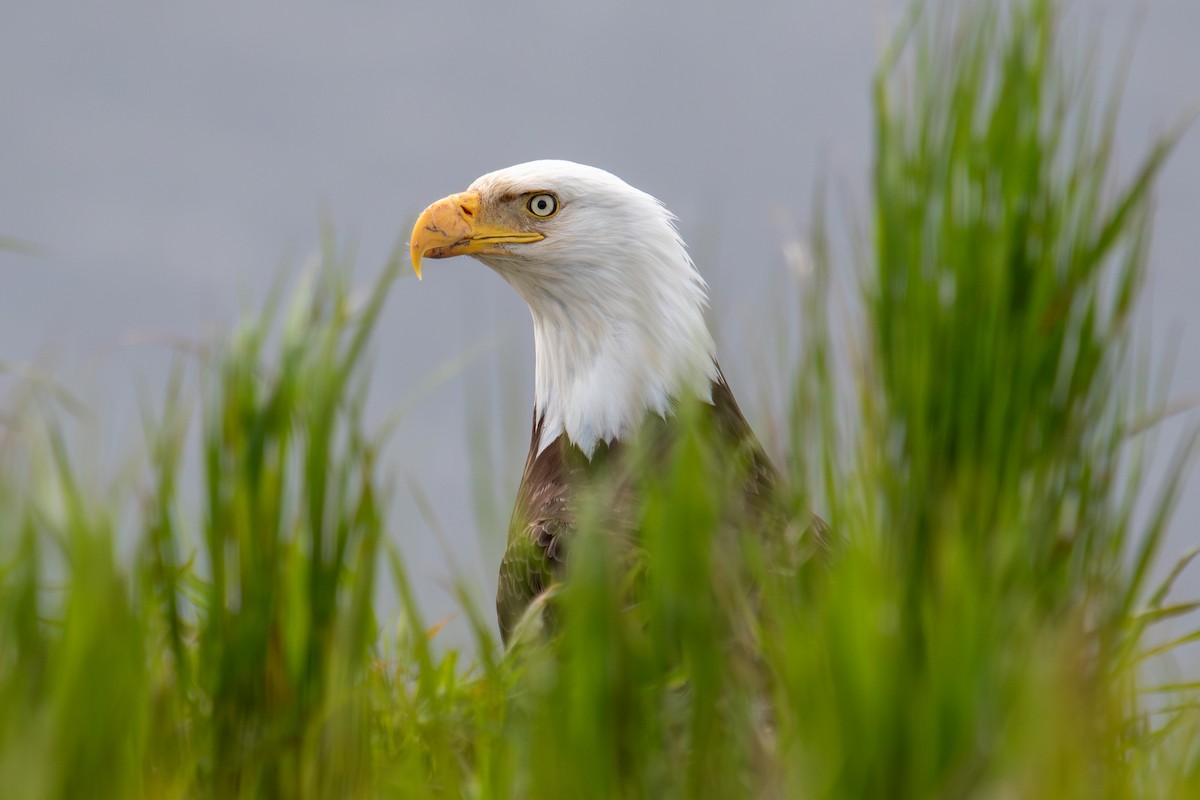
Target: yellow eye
(543, 205)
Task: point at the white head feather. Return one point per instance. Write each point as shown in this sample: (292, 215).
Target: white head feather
(617, 304)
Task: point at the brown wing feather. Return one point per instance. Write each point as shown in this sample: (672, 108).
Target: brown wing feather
(544, 515)
(763, 478)
(541, 516)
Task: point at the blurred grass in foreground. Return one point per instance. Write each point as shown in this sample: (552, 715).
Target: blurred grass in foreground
(983, 628)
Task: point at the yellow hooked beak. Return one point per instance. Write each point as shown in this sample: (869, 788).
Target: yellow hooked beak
(451, 227)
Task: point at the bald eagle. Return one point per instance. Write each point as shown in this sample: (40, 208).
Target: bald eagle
(619, 332)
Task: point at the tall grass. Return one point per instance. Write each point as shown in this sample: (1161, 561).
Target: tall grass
(983, 625)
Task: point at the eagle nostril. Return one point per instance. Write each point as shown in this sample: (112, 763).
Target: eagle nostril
(466, 210)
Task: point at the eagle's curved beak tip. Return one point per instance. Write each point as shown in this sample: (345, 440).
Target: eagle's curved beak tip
(414, 252)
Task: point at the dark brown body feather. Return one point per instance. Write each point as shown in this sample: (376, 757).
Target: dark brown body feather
(544, 516)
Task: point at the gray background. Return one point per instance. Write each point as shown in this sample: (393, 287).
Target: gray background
(171, 161)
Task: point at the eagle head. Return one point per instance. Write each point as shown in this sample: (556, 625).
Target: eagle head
(617, 304)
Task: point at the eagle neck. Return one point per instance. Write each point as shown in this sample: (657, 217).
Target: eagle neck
(614, 345)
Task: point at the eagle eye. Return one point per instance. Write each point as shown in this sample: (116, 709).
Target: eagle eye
(542, 204)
